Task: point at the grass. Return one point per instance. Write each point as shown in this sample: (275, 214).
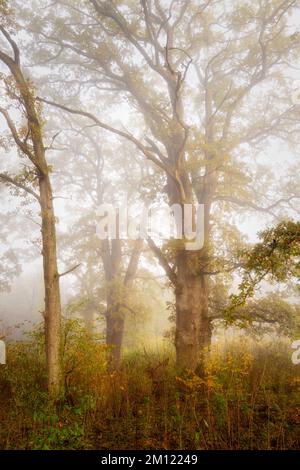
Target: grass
(249, 398)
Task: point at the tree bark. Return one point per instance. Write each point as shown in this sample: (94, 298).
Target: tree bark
(114, 336)
(192, 323)
(52, 290)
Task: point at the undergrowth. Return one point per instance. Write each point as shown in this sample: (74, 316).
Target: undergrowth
(248, 398)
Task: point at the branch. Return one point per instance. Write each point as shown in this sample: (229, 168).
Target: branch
(133, 262)
(70, 270)
(24, 147)
(12, 181)
(13, 45)
(109, 11)
(118, 132)
(252, 205)
(163, 261)
(247, 204)
(223, 271)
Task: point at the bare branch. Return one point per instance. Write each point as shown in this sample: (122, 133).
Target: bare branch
(252, 205)
(126, 135)
(70, 270)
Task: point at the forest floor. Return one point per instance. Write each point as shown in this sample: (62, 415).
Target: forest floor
(248, 398)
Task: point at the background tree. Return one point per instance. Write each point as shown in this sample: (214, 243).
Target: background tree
(86, 169)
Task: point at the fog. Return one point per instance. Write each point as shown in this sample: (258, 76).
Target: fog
(149, 237)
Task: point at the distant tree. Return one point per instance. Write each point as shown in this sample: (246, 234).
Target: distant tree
(9, 268)
(106, 266)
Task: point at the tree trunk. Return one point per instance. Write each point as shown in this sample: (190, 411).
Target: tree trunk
(192, 323)
(88, 317)
(193, 326)
(114, 337)
(52, 291)
(117, 293)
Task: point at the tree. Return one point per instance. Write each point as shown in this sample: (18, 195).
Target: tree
(9, 265)
(9, 268)
(108, 265)
(30, 145)
(276, 256)
(210, 82)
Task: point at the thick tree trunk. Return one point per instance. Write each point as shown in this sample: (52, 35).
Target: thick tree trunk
(193, 331)
(193, 326)
(52, 291)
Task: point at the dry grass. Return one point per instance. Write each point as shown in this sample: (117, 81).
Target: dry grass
(248, 399)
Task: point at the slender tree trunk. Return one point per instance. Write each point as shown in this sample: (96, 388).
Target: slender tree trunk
(52, 291)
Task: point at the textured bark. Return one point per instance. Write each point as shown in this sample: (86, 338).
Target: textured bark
(192, 322)
(193, 326)
(114, 336)
(52, 290)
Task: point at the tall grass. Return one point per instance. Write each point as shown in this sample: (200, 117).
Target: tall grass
(248, 398)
